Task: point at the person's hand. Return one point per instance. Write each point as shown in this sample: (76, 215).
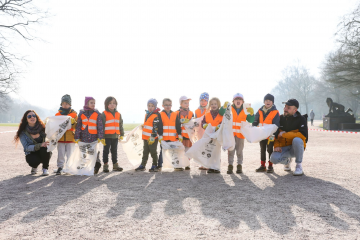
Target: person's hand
(151, 140)
(72, 120)
(250, 110)
(281, 133)
(121, 138)
(205, 126)
(217, 127)
(225, 104)
(181, 138)
(142, 125)
(77, 140)
(44, 144)
(160, 139)
(184, 120)
(277, 149)
(102, 141)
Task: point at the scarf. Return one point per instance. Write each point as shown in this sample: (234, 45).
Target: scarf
(34, 130)
(184, 112)
(202, 109)
(266, 109)
(64, 111)
(214, 113)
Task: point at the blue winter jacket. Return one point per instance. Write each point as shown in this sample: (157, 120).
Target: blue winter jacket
(29, 144)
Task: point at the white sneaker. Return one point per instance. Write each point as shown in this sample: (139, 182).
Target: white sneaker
(45, 172)
(298, 171)
(33, 171)
(287, 167)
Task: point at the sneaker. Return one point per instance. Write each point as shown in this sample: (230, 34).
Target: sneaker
(287, 167)
(239, 168)
(33, 171)
(216, 171)
(298, 171)
(178, 169)
(116, 167)
(261, 169)
(106, 167)
(140, 168)
(187, 168)
(45, 172)
(159, 169)
(97, 167)
(153, 169)
(270, 169)
(210, 170)
(58, 172)
(230, 169)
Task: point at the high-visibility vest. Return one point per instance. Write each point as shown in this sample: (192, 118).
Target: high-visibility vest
(237, 119)
(183, 130)
(269, 118)
(112, 124)
(214, 122)
(198, 113)
(91, 122)
(169, 126)
(148, 127)
(73, 115)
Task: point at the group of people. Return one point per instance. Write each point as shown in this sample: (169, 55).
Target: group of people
(107, 127)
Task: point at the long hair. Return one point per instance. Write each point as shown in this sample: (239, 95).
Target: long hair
(24, 122)
(214, 99)
(108, 100)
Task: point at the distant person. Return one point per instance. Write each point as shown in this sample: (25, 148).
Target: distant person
(312, 116)
(31, 134)
(267, 114)
(66, 144)
(290, 140)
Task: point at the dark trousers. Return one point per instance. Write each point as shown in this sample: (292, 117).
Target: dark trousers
(111, 145)
(41, 156)
(160, 162)
(312, 122)
(152, 150)
(263, 147)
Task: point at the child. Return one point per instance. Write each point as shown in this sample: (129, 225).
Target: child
(214, 117)
(184, 115)
(66, 144)
(169, 127)
(90, 126)
(149, 135)
(267, 114)
(238, 117)
(204, 99)
(114, 132)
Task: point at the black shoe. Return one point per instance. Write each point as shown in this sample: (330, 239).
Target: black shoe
(187, 168)
(261, 169)
(239, 168)
(58, 172)
(159, 169)
(230, 169)
(211, 170)
(97, 167)
(216, 171)
(153, 169)
(270, 169)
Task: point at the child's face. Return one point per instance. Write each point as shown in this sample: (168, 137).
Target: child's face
(185, 103)
(203, 102)
(167, 106)
(91, 104)
(151, 107)
(238, 102)
(65, 105)
(268, 103)
(214, 105)
(112, 105)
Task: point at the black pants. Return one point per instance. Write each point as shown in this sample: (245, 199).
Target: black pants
(312, 122)
(111, 144)
(263, 147)
(41, 156)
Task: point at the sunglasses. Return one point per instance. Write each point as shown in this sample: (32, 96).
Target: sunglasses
(31, 115)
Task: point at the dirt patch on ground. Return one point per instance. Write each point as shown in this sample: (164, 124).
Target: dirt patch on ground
(322, 204)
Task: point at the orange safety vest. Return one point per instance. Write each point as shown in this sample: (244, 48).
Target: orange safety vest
(169, 126)
(183, 130)
(214, 122)
(237, 119)
(91, 122)
(198, 113)
(73, 115)
(112, 124)
(269, 118)
(148, 127)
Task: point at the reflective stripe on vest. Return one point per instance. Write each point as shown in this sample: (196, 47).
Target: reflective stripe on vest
(91, 122)
(269, 118)
(148, 126)
(237, 119)
(214, 122)
(112, 123)
(169, 126)
(183, 130)
(73, 115)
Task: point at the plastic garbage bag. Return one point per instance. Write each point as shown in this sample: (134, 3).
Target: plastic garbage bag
(194, 129)
(173, 154)
(55, 127)
(82, 160)
(225, 134)
(256, 134)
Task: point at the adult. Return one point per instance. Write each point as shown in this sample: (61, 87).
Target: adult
(31, 134)
(312, 116)
(290, 139)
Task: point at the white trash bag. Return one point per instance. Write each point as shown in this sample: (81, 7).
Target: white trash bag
(82, 160)
(257, 134)
(173, 154)
(194, 129)
(133, 146)
(225, 135)
(55, 128)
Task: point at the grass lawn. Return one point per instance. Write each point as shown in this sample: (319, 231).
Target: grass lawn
(9, 124)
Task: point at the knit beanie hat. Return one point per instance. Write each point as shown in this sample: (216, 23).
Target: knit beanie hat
(269, 97)
(153, 101)
(66, 98)
(204, 96)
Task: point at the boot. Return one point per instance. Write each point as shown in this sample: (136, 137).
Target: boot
(106, 167)
(116, 167)
(230, 169)
(97, 167)
(239, 168)
(261, 169)
(270, 169)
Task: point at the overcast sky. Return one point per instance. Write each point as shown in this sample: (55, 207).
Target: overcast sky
(136, 50)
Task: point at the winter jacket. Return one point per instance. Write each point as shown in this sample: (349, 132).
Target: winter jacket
(68, 137)
(29, 144)
(177, 125)
(84, 135)
(156, 121)
(276, 119)
(115, 135)
(312, 115)
(293, 126)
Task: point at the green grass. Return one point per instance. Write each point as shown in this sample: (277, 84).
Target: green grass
(321, 125)
(9, 124)
(130, 126)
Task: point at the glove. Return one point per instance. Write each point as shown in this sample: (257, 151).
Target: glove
(180, 138)
(121, 138)
(184, 120)
(142, 125)
(225, 104)
(102, 141)
(250, 110)
(72, 120)
(160, 139)
(271, 139)
(151, 140)
(217, 127)
(77, 140)
(205, 126)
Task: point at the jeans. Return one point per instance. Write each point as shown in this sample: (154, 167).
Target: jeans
(41, 156)
(111, 145)
(295, 150)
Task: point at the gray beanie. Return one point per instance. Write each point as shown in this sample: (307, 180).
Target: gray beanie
(66, 98)
(153, 101)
